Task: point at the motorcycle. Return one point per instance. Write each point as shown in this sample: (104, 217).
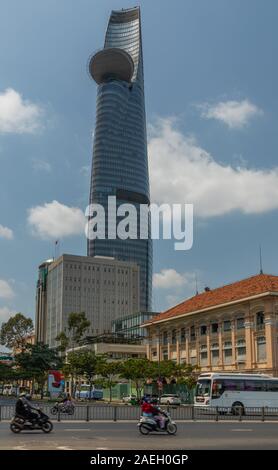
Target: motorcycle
(42, 422)
(149, 424)
(67, 408)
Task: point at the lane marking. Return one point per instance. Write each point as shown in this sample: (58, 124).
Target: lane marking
(64, 448)
(241, 430)
(77, 429)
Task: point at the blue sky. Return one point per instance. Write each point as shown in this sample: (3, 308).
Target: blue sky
(210, 80)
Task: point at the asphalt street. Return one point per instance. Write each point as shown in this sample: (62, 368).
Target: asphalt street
(125, 435)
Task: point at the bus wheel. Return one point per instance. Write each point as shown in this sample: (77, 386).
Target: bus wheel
(237, 408)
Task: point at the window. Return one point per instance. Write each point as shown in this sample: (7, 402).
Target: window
(193, 360)
(260, 320)
(272, 385)
(165, 355)
(240, 323)
(203, 330)
(203, 358)
(174, 336)
(192, 333)
(255, 385)
(214, 327)
(228, 355)
(261, 349)
(227, 325)
(218, 388)
(182, 335)
(232, 385)
(165, 337)
(241, 352)
(214, 356)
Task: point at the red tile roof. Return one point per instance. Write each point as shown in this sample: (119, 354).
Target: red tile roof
(255, 285)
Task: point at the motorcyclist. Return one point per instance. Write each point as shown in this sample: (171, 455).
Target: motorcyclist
(23, 407)
(158, 416)
(151, 410)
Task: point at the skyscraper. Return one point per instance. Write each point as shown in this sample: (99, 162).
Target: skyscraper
(120, 161)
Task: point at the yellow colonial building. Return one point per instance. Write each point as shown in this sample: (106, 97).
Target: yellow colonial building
(231, 328)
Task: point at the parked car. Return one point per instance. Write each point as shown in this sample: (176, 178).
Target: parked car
(84, 392)
(170, 399)
(130, 399)
(10, 390)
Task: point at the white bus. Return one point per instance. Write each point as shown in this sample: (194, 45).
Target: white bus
(235, 391)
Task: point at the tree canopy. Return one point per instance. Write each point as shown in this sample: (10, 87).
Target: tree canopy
(77, 325)
(14, 332)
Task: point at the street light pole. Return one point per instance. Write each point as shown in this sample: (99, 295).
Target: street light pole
(159, 368)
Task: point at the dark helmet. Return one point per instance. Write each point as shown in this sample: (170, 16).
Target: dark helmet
(28, 396)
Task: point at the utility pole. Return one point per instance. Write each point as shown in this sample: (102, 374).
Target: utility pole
(159, 382)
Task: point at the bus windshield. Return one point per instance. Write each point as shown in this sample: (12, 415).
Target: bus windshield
(203, 387)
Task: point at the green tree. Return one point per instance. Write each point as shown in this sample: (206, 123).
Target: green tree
(36, 361)
(187, 374)
(77, 325)
(138, 371)
(63, 339)
(109, 371)
(13, 333)
(164, 369)
(83, 363)
(6, 372)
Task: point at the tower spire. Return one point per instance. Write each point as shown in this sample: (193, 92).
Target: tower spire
(261, 262)
(196, 284)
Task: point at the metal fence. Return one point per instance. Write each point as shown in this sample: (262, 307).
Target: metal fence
(129, 413)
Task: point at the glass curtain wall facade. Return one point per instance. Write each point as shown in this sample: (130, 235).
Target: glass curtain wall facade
(120, 161)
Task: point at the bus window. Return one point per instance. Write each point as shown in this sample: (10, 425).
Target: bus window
(255, 385)
(234, 385)
(272, 385)
(203, 388)
(218, 388)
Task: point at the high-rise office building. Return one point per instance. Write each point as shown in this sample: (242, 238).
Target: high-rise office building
(120, 161)
(101, 287)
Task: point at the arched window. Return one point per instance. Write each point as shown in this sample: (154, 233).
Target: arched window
(260, 320)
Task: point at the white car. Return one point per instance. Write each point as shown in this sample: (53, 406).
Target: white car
(129, 398)
(170, 399)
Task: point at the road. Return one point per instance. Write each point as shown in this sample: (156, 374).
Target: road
(124, 435)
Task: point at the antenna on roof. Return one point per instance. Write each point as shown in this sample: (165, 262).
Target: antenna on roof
(196, 283)
(261, 262)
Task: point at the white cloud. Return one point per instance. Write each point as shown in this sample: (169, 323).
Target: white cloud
(236, 114)
(6, 232)
(170, 278)
(6, 291)
(183, 172)
(85, 170)
(41, 165)
(5, 314)
(18, 115)
(55, 220)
